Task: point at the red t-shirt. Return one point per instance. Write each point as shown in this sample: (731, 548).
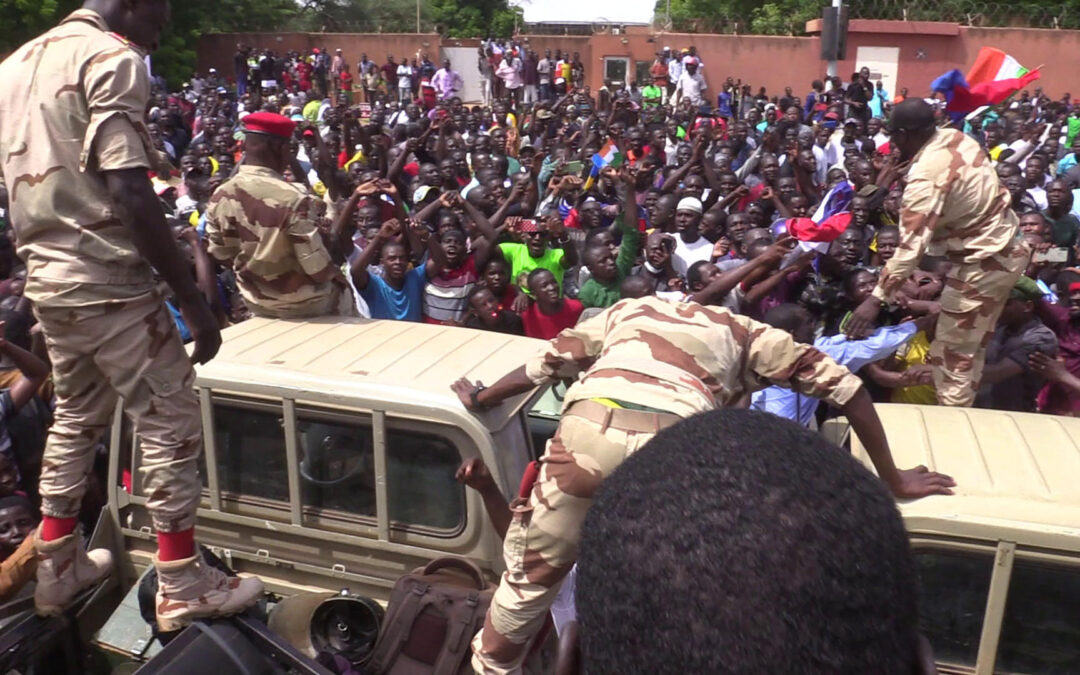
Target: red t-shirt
(507, 300)
(547, 326)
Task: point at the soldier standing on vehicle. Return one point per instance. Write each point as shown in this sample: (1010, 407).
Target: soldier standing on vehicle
(74, 151)
(271, 232)
(953, 206)
(646, 364)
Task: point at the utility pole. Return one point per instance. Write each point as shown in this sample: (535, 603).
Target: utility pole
(667, 24)
(834, 47)
(418, 14)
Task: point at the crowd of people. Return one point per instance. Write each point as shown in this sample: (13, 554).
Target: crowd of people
(534, 212)
(296, 189)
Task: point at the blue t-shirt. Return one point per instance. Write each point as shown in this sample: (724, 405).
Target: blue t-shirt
(387, 303)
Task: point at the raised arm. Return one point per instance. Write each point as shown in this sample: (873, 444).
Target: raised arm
(724, 283)
(388, 231)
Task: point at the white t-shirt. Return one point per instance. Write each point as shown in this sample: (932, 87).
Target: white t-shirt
(404, 76)
(687, 254)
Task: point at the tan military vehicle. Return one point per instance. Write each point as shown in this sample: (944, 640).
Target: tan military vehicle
(331, 450)
(999, 561)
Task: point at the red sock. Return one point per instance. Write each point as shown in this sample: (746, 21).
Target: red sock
(176, 545)
(55, 528)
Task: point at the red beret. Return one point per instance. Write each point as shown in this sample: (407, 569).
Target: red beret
(270, 124)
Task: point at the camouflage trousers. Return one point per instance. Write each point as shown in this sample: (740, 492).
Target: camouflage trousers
(971, 303)
(541, 543)
(127, 348)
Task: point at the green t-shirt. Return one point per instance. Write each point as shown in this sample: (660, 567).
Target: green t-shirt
(1063, 231)
(595, 293)
(651, 95)
(521, 263)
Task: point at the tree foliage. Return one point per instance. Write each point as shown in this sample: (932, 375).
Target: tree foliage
(21, 20)
(775, 17)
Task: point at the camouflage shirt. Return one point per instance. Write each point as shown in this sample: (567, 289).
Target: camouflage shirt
(270, 232)
(954, 206)
(685, 358)
(72, 104)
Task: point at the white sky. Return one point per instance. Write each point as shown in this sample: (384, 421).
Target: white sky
(587, 11)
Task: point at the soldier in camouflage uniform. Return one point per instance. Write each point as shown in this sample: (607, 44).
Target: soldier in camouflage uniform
(74, 151)
(272, 232)
(955, 207)
(647, 364)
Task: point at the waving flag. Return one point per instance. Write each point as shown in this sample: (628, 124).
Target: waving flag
(962, 97)
(992, 65)
(828, 222)
(609, 155)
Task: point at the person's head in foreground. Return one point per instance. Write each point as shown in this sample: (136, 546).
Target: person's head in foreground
(739, 542)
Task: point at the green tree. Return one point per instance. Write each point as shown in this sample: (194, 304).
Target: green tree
(475, 18)
(176, 55)
(21, 20)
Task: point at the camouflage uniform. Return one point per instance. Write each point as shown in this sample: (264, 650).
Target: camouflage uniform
(648, 363)
(955, 207)
(271, 233)
(72, 105)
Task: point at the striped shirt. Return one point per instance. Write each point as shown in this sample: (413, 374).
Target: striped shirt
(446, 297)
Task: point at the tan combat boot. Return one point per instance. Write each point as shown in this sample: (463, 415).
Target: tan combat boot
(64, 568)
(189, 589)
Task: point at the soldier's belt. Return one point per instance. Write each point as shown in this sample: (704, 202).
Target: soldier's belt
(622, 419)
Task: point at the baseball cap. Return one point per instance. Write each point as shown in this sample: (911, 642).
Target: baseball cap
(851, 120)
(543, 114)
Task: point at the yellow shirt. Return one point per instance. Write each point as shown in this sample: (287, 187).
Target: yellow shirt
(915, 353)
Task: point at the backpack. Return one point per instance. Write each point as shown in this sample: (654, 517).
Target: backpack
(433, 615)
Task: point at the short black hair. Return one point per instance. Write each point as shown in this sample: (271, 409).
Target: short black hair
(694, 272)
(740, 542)
(786, 316)
(13, 501)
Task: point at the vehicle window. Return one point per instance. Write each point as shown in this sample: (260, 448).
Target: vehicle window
(337, 464)
(250, 446)
(421, 489)
(953, 590)
(1041, 630)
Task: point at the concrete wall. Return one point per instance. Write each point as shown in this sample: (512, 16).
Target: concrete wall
(926, 50)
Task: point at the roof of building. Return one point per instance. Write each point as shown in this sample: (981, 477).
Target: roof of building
(410, 363)
(1017, 474)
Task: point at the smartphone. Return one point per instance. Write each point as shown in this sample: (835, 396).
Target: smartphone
(1059, 254)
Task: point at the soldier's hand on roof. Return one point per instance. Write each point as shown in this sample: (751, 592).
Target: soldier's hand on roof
(464, 389)
(921, 482)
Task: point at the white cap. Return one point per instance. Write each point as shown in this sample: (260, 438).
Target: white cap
(689, 204)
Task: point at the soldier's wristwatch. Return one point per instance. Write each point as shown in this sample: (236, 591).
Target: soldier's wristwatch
(474, 394)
